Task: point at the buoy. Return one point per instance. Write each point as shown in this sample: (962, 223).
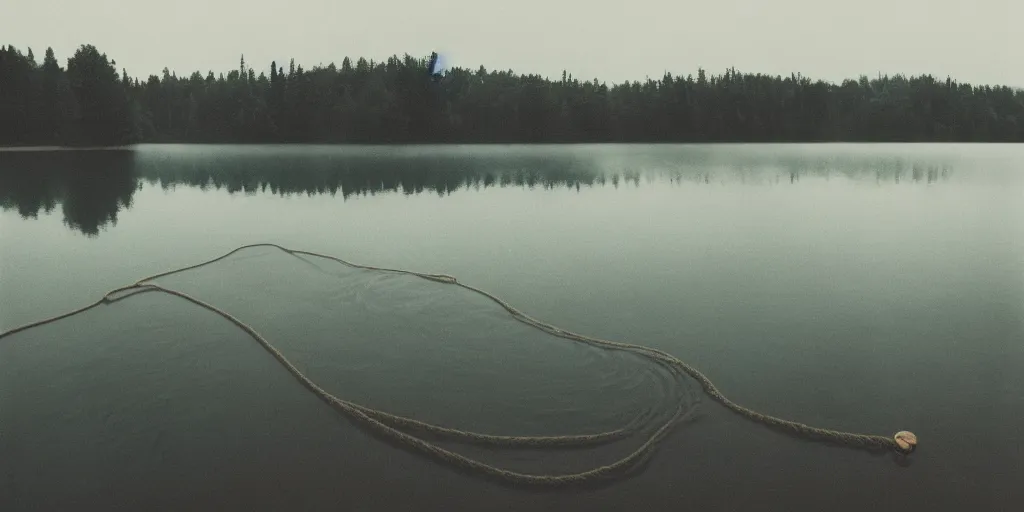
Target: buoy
(907, 441)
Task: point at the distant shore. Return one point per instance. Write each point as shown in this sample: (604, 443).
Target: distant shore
(132, 147)
(399, 100)
(12, 149)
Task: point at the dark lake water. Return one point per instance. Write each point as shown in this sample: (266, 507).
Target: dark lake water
(864, 288)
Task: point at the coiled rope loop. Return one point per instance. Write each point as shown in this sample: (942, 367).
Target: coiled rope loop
(388, 424)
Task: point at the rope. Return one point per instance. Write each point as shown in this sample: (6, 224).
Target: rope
(387, 424)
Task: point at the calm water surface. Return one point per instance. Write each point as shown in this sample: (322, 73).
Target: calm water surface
(857, 287)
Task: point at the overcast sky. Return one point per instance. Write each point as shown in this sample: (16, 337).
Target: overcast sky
(970, 40)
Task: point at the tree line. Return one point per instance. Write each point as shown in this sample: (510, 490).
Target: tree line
(398, 100)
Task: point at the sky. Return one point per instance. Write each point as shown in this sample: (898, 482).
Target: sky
(973, 41)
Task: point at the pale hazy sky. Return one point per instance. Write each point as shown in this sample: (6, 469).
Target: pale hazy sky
(976, 41)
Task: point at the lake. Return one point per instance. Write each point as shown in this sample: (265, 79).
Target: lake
(863, 288)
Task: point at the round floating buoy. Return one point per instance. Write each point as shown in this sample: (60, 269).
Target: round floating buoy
(906, 441)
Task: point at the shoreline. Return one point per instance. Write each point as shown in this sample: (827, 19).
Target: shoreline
(28, 149)
(133, 147)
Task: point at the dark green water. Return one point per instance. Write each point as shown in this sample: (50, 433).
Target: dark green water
(858, 287)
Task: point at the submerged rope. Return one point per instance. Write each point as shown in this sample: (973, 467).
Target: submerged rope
(388, 424)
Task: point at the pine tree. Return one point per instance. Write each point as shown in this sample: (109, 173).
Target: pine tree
(106, 113)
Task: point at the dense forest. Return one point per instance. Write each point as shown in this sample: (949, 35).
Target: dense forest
(88, 102)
